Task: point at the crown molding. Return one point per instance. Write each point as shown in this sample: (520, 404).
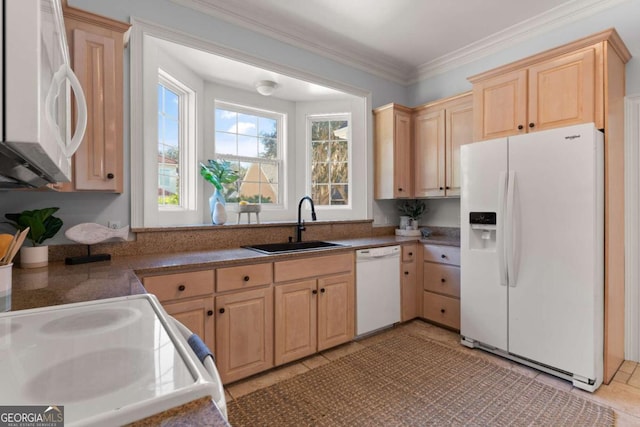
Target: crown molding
(384, 66)
(330, 47)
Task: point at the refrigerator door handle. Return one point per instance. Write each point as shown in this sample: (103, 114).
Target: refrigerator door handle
(502, 262)
(510, 235)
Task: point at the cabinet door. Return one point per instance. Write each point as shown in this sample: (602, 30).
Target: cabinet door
(429, 132)
(459, 125)
(335, 310)
(408, 291)
(562, 91)
(295, 321)
(197, 315)
(244, 333)
(402, 153)
(500, 106)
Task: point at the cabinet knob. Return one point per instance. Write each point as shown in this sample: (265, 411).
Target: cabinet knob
(443, 280)
(406, 273)
(210, 313)
(182, 288)
(531, 125)
(442, 310)
(322, 290)
(110, 176)
(443, 256)
(520, 127)
(441, 188)
(221, 311)
(399, 189)
(410, 253)
(246, 278)
(446, 188)
(315, 291)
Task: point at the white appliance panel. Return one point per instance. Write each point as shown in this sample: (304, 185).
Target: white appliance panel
(377, 288)
(556, 288)
(483, 298)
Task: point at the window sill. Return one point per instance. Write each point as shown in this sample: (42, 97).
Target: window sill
(200, 227)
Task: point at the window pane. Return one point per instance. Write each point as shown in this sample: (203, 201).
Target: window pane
(319, 151)
(340, 173)
(319, 131)
(320, 194)
(339, 129)
(267, 127)
(268, 148)
(339, 194)
(247, 125)
(171, 106)
(226, 120)
(226, 143)
(170, 136)
(320, 173)
(339, 151)
(247, 146)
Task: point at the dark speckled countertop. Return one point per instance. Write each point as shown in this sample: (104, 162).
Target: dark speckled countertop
(61, 284)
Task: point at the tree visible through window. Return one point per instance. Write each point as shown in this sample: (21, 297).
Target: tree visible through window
(251, 143)
(168, 147)
(330, 160)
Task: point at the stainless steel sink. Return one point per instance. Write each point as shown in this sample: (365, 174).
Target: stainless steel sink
(278, 248)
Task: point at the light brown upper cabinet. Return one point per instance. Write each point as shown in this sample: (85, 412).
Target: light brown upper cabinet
(440, 128)
(560, 87)
(96, 45)
(392, 142)
(579, 82)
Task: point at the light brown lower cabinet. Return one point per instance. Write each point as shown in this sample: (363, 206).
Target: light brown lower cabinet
(441, 285)
(314, 305)
(409, 296)
(244, 333)
(197, 315)
(313, 315)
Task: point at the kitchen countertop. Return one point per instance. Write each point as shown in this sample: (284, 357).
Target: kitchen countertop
(61, 284)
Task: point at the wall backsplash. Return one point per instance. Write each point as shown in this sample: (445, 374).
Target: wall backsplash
(199, 238)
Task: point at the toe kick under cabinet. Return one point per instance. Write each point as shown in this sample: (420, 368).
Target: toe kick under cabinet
(441, 285)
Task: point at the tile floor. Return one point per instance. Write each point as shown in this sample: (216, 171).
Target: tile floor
(622, 394)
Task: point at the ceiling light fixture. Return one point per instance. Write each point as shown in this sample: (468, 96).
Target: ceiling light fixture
(266, 87)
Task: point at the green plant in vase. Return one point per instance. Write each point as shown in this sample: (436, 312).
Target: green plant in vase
(42, 226)
(414, 209)
(218, 173)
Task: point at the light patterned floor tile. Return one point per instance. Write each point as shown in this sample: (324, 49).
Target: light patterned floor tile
(634, 381)
(626, 420)
(621, 377)
(243, 387)
(315, 361)
(628, 366)
(620, 397)
(343, 350)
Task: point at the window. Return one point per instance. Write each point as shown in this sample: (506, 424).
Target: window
(330, 138)
(169, 143)
(251, 140)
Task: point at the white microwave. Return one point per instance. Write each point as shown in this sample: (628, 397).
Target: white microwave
(36, 89)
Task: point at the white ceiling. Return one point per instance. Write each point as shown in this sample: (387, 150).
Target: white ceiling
(403, 40)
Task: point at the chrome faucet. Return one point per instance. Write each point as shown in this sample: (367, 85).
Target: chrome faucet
(300, 227)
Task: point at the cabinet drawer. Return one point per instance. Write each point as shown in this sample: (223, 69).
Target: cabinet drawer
(409, 253)
(441, 278)
(442, 254)
(312, 267)
(180, 285)
(243, 277)
(441, 309)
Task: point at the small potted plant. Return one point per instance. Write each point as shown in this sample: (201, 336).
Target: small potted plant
(42, 226)
(414, 209)
(218, 173)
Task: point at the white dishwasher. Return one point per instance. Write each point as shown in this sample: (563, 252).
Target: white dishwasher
(377, 288)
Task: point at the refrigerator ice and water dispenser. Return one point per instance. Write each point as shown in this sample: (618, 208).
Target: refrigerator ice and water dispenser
(483, 230)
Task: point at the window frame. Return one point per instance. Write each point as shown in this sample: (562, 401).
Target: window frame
(281, 142)
(310, 118)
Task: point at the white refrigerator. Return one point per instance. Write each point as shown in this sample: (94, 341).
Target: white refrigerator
(532, 250)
